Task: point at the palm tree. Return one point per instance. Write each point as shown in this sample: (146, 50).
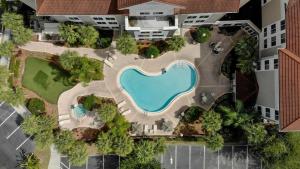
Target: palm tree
(126, 44)
(30, 162)
(235, 117)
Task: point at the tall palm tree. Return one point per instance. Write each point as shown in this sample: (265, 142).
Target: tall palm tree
(235, 116)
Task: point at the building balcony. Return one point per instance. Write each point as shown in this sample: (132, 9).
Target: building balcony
(151, 23)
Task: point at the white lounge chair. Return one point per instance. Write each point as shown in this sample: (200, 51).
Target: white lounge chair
(154, 128)
(63, 117)
(146, 128)
(108, 63)
(122, 103)
(63, 122)
(126, 112)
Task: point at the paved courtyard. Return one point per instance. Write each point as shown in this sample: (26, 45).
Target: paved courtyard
(13, 142)
(211, 81)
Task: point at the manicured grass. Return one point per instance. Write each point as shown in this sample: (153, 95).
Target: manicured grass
(43, 155)
(45, 79)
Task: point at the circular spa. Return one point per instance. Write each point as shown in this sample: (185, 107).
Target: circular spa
(155, 92)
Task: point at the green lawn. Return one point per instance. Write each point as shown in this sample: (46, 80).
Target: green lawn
(45, 79)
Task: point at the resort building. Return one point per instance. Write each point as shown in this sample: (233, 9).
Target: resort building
(272, 37)
(278, 68)
(144, 19)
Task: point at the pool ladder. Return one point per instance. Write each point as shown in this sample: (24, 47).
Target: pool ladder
(181, 64)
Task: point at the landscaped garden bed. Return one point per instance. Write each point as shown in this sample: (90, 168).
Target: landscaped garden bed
(45, 78)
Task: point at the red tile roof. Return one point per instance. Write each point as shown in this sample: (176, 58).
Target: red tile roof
(76, 7)
(289, 71)
(192, 6)
(102, 7)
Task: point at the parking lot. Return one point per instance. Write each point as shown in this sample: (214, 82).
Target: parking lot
(94, 162)
(13, 142)
(199, 157)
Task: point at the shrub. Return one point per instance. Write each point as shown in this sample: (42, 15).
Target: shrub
(68, 145)
(30, 161)
(81, 69)
(22, 35)
(192, 114)
(214, 142)
(256, 133)
(36, 106)
(211, 122)
(176, 43)
(126, 44)
(107, 112)
(12, 20)
(6, 49)
(89, 102)
(88, 35)
(41, 127)
(152, 51)
(104, 42)
(202, 35)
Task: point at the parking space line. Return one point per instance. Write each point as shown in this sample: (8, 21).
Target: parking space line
(23, 142)
(8, 117)
(190, 157)
(103, 161)
(1, 104)
(175, 157)
(204, 157)
(232, 150)
(218, 159)
(12, 132)
(247, 159)
(64, 165)
(86, 164)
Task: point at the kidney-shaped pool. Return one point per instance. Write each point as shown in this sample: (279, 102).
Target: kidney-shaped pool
(153, 93)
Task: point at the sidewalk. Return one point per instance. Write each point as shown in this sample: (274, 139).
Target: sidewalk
(54, 162)
(99, 54)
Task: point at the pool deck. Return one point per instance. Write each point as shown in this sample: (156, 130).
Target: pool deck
(208, 65)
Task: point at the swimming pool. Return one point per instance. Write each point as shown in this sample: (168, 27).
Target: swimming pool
(154, 92)
(79, 111)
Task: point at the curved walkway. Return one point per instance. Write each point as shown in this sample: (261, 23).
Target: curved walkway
(69, 98)
(207, 64)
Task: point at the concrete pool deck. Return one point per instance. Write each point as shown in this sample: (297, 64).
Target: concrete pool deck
(211, 81)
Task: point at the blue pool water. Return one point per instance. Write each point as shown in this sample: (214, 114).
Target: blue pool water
(79, 111)
(154, 93)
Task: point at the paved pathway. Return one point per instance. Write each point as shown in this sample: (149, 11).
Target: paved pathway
(99, 54)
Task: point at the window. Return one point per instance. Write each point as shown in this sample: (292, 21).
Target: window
(192, 17)
(273, 41)
(259, 109)
(157, 35)
(97, 18)
(115, 27)
(268, 112)
(204, 16)
(113, 23)
(145, 32)
(144, 13)
(265, 32)
(104, 27)
(188, 21)
(267, 65)
(258, 65)
(273, 28)
(110, 19)
(157, 32)
(276, 115)
(200, 21)
(275, 63)
(158, 13)
(74, 18)
(282, 25)
(101, 23)
(266, 43)
(282, 36)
